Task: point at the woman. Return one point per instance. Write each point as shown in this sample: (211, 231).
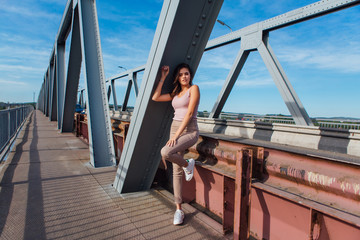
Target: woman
(184, 130)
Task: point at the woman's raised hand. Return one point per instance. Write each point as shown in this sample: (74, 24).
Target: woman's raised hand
(164, 71)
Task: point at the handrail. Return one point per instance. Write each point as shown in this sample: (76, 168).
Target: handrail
(11, 122)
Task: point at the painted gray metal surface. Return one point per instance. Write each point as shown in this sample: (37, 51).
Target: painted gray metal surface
(73, 76)
(257, 41)
(131, 83)
(61, 37)
(81, 98)
(292, 17)
(99, 125)
(53, 91)
(284, 86)
(229, 83)
(181, 35)
(46, 77)
(60, 80)
(112, 83)
(80, 18)
(127, 95)
(255, 37)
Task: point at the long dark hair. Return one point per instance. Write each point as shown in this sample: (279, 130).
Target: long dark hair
(177, 85)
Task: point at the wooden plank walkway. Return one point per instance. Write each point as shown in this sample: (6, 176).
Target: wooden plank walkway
(50, 191)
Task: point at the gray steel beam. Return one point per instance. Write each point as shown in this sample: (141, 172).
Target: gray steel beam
(50, 95)
(126, 73)
(181, 36)
(287, 92)
(65, 25)
(54, 91)
(229, 83)
(114, 94)
(60, 80)
(134, 81)
(46, 79)
(126, 97)
(310, 11)
(99, 125)
(81, 98)
(53, 100)
(73, 76)
(109, 92)
(41, 98)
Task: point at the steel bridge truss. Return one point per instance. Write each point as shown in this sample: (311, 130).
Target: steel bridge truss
(181, 35)
(57, 98)
(151, 120)
(253, 38)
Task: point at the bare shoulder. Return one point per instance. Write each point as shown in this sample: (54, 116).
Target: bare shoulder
(194, 91)
(194, 88)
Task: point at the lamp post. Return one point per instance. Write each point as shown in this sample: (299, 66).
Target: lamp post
(122, 68)
(224, 24)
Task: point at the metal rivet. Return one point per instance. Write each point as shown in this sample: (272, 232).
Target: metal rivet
(188, 57)
(200, 25)
(193, 43)
(204, 16)
(197, 34)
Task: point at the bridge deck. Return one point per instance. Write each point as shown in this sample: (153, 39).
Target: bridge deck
(49, 191)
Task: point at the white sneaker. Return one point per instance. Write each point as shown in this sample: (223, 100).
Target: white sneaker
(178, 217)
(189, 170)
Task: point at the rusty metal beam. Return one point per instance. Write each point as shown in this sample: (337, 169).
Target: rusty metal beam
(243, 195)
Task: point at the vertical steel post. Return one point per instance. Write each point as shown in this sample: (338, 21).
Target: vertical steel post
(53, 100)
(243, 195)
(109, 92)
(287, 92)
(114, 94)
(47, 92)
(81, 98)
(181, 35)
(127, 95)
(229, 83)
(60, 80)
(99, 125)
(134, 80)
(73, 76)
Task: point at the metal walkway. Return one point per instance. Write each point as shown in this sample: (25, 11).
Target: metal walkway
(50, 191)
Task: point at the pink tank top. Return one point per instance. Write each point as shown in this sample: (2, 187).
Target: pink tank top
(180, 105)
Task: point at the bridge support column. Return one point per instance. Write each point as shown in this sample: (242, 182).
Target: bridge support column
(181, 36)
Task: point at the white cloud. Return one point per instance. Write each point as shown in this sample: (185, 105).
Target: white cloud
(214, 83)
(345, 60)
(12, 68)
(254, 82)
(27, 12)
(7, 82)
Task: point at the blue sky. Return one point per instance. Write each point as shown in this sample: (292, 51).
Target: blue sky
(321, 57)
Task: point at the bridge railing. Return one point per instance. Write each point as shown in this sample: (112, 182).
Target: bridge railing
(11, 121)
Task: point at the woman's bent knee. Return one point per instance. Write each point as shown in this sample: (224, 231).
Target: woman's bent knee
(165, 152)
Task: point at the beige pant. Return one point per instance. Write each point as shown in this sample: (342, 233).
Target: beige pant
(175, 154)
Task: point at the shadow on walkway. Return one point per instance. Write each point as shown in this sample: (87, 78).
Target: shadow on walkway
(6, 184)
(49, 190)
